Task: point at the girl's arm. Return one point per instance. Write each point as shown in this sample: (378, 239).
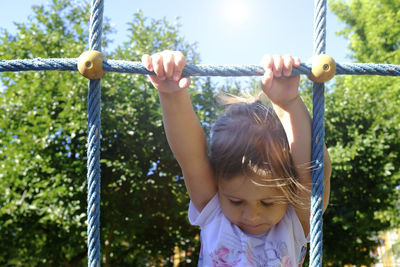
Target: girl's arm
(283, 93)
(297, 123)
(184, 133)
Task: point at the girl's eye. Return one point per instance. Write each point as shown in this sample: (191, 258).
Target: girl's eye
(236, 202)
(266, 204)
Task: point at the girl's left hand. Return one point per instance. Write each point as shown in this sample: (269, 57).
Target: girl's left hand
(276, 82)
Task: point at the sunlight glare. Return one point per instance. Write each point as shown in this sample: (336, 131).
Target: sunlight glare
(236, 11)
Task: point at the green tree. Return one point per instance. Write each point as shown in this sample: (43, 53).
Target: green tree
(43, 132)
(362, 133)
(42, 144)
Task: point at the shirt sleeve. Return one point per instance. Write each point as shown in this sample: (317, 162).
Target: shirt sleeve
(298, 231)
(204, 217)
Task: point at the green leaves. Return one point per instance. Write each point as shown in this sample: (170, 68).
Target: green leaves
(42, 144)
(43, 132)
(371, 29)
(362, 133)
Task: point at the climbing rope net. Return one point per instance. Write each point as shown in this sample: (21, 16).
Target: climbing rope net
(92, 65)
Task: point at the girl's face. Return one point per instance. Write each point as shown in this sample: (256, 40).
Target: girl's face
(254, 208)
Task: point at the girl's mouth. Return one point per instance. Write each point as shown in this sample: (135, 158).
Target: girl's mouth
(252, 225)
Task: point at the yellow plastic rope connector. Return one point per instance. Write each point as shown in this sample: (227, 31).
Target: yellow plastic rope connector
(323, 68)
(90, 64)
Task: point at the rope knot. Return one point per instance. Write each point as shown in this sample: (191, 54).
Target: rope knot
(323, 68)
(90, 64)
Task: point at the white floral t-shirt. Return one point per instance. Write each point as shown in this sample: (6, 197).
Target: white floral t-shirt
(223, 244)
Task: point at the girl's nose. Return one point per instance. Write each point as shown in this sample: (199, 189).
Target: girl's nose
(251, 213)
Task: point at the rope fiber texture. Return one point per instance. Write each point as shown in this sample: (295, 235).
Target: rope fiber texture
(94, 133)
(318, 134)
(123, 66)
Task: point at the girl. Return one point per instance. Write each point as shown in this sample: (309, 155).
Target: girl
(250, 195)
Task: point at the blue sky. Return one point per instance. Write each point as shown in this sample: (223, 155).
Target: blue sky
(224, 34)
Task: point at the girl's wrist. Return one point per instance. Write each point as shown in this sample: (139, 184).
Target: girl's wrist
(171, 91)
(173, 97)
(289, 105)
(293, 110)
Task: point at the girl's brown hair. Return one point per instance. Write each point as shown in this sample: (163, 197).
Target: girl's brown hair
(250, 140)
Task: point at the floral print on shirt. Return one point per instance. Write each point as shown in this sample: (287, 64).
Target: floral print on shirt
(224, 257)
(275, 255)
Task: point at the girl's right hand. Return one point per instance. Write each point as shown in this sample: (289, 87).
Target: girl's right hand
(277, 82)
(168, 66)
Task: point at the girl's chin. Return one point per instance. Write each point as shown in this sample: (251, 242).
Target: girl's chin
(255, 229)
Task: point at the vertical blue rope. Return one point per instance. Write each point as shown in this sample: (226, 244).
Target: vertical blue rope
(93, 153)
(318, 135)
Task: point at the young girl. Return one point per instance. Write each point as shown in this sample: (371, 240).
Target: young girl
(250, 194)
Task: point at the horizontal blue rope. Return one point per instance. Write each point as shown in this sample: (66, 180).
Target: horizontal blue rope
(39, 64)
(367, 69)
(121, 66)
(197, 70)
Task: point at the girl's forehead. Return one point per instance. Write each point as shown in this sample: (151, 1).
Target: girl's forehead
(246, 187)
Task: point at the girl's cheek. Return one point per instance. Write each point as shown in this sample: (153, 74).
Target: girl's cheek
(236, 213)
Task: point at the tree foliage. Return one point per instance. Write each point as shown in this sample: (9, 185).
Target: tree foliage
(362, 133)
(42, 144)
(43, 132)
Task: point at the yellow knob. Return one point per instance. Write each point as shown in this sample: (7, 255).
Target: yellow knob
(90, 64)
(323, 68)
